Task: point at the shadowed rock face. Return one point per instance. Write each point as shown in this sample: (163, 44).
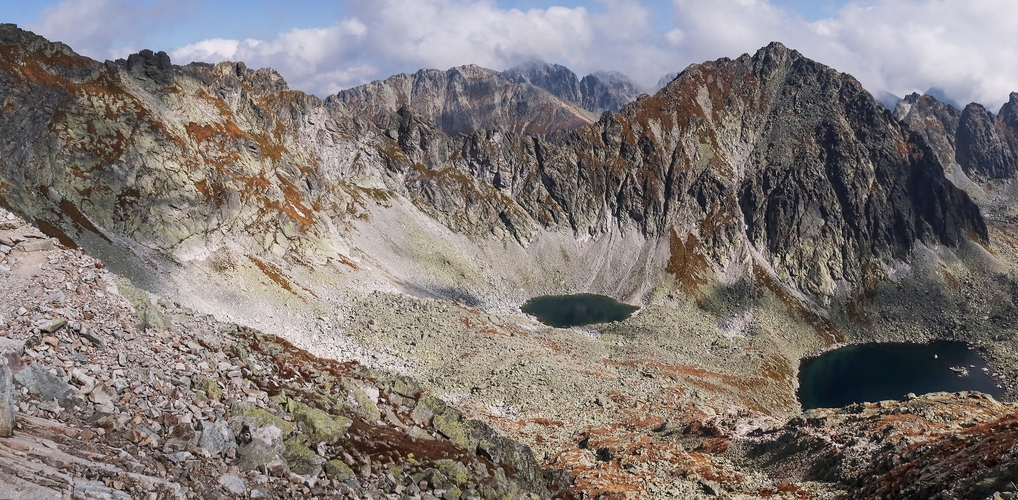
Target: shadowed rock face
(555, 78)
(596, 92)
(984, 145)
(935, 121)
(772, 154)
(773, 150)
(607, 91)
(987, 147)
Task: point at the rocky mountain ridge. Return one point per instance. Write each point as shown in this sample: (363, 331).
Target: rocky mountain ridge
(759, 209)
(597, 92)
(984, 145)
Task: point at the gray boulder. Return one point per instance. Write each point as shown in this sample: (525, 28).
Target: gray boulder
(12, 350)
(6, 399)
(40, 381)
(216, 438)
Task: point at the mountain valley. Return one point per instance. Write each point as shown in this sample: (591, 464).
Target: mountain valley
(758, 210)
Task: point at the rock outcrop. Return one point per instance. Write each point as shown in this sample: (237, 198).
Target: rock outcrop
(607, 91)
(6, 399)
(771, 152)
(555, 78)
(760, 209)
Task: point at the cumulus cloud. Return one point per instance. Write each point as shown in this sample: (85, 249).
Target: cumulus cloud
(963, 48)
(900, 46)
(378, 38)
(106, 29)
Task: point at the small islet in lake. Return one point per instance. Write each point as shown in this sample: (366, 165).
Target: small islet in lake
(881, 371)
(563, 311)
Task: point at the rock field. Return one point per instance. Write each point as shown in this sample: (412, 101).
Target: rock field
(116, 393)
(119, 394)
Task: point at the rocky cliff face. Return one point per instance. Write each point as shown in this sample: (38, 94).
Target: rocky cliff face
(555, 78)
(983, 145)
(770, 155)
(607, 91)
(759, 209)
(470, 98)
(596, 92)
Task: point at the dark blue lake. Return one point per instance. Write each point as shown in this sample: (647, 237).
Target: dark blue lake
(875, 372)
(563, 311)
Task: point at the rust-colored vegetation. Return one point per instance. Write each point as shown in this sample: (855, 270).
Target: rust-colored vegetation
(273, 273)
(689, 267)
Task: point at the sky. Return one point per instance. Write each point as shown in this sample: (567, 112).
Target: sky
(965, 48)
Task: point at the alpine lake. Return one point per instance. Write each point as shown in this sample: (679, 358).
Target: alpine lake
(882, 371)
(564, 311)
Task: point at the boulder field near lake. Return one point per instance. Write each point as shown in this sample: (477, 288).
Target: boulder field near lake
(217, 286)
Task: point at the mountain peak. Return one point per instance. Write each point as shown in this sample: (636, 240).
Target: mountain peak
(601, 90)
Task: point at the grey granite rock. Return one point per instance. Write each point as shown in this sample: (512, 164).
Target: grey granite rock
(216, 438)
(234, 484)
(7, 403)
(49, 387)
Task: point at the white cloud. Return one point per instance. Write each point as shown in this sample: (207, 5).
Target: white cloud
(106, 28)
(902, 46)
(215, 49)
(964, 48)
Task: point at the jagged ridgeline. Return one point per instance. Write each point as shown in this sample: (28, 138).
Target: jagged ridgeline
(983, 145)
(758, 210)
(771, 158)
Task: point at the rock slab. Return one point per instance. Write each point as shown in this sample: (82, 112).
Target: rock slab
(6, 399)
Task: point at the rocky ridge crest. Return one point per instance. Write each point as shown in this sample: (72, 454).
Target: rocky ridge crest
(597, 92)
(984, 145)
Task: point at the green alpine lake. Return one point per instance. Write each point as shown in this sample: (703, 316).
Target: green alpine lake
(563, 311)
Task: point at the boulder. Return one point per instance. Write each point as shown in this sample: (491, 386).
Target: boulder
(95, 338)
(451, 425)
(244, 413)
(6, 399)
(89, 490)
(300, 459)
(53, 326)
(319, 426)
(12, 350)
(264, 448)
(360, 402)
(426, 408)
(454, 470)
(503, 451)
(233, 484)
(339, 470)
(40, 381)
(216, 438)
